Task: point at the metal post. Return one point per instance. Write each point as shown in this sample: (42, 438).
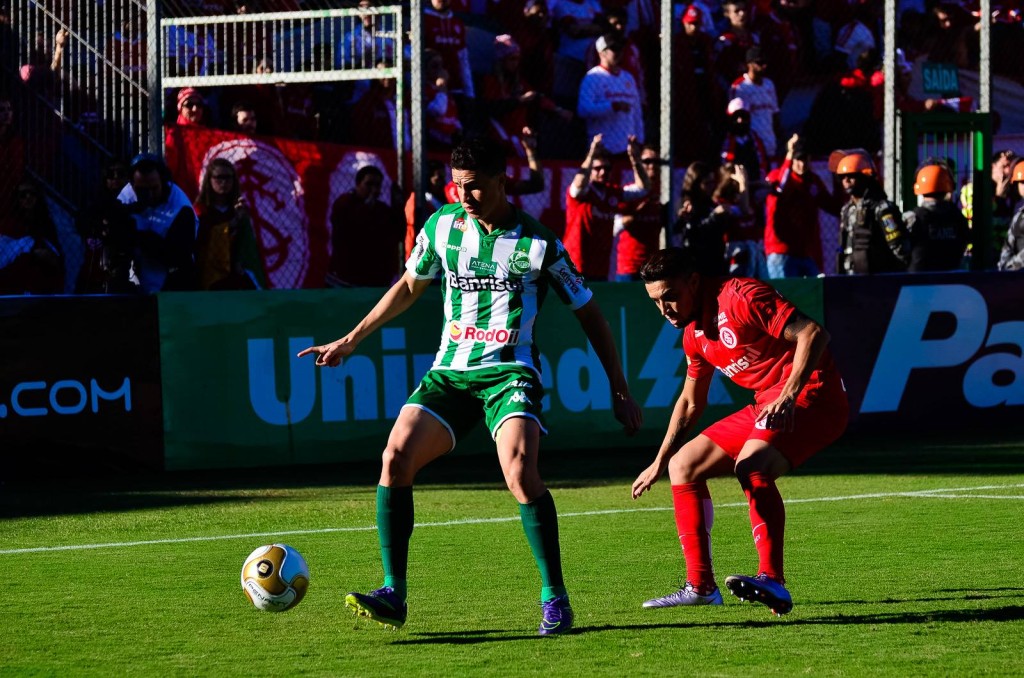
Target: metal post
(154, 73)
(889, 140)
(668, 194)
(985, 59)
(416, 112)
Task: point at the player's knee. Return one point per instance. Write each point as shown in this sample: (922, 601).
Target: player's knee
(396, 466)
(683, 468)
(524, 484)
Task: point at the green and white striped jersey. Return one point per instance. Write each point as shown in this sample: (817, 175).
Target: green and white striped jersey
(494, 285)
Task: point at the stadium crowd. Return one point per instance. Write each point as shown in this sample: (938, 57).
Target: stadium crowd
(569, 80)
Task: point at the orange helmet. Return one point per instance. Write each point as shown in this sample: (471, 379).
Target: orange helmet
(1018, 171)
(857, 162)
(933, 179)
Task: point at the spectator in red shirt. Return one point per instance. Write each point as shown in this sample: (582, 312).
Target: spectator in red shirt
(367, 234)
(733, 43)
(31, 261)
(643, 223)
(441, 113)
(592, 201)
(536, 39)
(444, 32)
(792, 234)
(508, 99)
(696, 99)
(191, 108)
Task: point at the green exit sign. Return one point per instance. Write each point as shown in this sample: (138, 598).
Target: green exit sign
(943, 79)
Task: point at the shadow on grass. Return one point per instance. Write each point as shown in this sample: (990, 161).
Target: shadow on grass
(999, 614)
(991, 454)
(961, 594)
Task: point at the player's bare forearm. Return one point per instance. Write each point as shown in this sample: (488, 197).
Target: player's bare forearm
(594, 325)
(811, 340)
(395, 301)
(687, 411)
(399, 297)
(685, 414)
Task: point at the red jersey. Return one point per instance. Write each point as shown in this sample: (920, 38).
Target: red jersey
(791, 213)
(640, 236)
(589, 222)
(750, 317)
(446, 33)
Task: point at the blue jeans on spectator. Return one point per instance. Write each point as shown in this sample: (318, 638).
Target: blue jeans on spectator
(786, 266)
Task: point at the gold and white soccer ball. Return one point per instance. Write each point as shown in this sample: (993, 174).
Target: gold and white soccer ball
(275, 577)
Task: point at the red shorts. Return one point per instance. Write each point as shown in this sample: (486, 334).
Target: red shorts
(820, 417)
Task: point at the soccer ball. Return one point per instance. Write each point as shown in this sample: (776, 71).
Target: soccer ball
(275, 577)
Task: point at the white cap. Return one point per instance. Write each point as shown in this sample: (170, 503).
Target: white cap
(736, 104)
(601, 44)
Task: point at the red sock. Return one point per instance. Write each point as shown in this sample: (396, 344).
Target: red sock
(694, 516)
(768, 520)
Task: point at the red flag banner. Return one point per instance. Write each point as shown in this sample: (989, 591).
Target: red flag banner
(291, 186)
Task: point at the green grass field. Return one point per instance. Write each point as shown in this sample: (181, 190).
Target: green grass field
(904, 559)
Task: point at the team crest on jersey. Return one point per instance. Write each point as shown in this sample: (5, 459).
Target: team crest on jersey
(889, 223)
(727, 337)
(519, 263)
(459, 225)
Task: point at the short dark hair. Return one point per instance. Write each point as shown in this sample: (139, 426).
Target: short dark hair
(367, 169)
(480, 154)
(667, 264)
(241, 106)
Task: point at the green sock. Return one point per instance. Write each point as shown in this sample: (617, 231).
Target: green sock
(540, 523)
(394, 529)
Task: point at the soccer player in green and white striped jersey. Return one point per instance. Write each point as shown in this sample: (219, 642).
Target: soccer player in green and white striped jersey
(497, 266)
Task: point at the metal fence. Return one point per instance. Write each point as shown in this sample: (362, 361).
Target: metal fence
(78, 73)
(95, 80)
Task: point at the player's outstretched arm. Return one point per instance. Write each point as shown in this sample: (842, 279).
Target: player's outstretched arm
(688, 408)
(596, 328)
(399, 297)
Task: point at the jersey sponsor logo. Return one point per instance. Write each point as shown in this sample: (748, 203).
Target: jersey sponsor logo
(484, 284)
(722, 319)
(482, 266)
(740, 364)
(571, 282)
(458, 332)
(457, 248)
(728, 337)
(519, 263)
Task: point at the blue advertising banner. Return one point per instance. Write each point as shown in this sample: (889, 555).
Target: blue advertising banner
(933, 351)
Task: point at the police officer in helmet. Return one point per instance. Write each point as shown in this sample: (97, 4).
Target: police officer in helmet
(1012, 256)
(938, 230)
(873, 238)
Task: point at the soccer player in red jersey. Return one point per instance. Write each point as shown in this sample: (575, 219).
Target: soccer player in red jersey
(749, 332)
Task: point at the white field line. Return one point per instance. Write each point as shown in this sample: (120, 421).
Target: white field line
(944, 493)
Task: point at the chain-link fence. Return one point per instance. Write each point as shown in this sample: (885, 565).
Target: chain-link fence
(330, 76)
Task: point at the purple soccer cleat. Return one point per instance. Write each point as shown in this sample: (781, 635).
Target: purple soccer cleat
(557, 616)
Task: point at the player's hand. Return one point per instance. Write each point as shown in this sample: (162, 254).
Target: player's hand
(627, 412)
(330, 355)
(778, 415)
(649, 476)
